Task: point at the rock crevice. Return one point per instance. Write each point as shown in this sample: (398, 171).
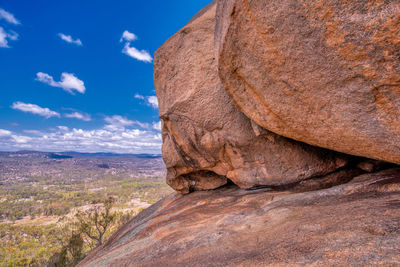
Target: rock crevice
(298, 101)
(203, 131)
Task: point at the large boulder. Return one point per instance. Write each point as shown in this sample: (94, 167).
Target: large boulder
(206, 139)
(324, 72)
(353, 224)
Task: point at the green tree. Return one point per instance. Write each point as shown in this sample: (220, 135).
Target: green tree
(85, 231)
(71, 253)
(95, 222)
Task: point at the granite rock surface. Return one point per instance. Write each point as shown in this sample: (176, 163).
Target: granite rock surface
(325, 72)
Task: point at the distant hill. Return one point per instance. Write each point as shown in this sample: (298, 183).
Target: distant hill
(59, 156)
(72, 154)
(28, 165)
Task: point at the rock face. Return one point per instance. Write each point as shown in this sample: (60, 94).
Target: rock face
(206, 139)
(348, 225)
(326, 73)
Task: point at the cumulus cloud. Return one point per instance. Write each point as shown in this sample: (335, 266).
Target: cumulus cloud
(69, 39)
(157, 126)
(7, 16)
(141, 55)
(128, 36)
(6, 36)
(68, 82)
(152, 101)
(63, 128)
(143, 125)
(118, 120)
(34, 109)
(20, 139)
(99, 140)
(79, 116)
(137, 96)
(33, 132)
(4, 133)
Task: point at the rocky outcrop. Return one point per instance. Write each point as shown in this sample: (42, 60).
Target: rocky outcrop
(206, 139)
(352, 224)
(326, 73)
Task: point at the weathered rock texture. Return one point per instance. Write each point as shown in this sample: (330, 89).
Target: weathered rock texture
(353, 224)
(326, 73)
(206, 139)
(322, 72)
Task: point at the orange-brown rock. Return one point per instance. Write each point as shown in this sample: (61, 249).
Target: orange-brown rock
(326, 73)
(206, 139)
(353, 224)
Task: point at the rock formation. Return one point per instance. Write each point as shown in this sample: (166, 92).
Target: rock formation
(326, 73)
(256, 92)
(347, 225)
(206, 139)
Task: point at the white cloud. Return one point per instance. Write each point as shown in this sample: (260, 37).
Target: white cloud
(79, 116)
(63, 128)
(99, 140)
(128, 36)
(157, 126)
(152, 101)
(149, 100)
(20, 139)
(4, 133)
(141, 55)
(7, 16)
(4, 36)
(34, 132)
(34, 109)
(69, 39)
(118, 120)
(68, 82)
(137, 96)
(143, 125)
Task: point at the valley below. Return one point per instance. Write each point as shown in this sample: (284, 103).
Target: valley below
(41, 192)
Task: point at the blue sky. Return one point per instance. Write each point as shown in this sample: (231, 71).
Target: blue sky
(78, 75)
